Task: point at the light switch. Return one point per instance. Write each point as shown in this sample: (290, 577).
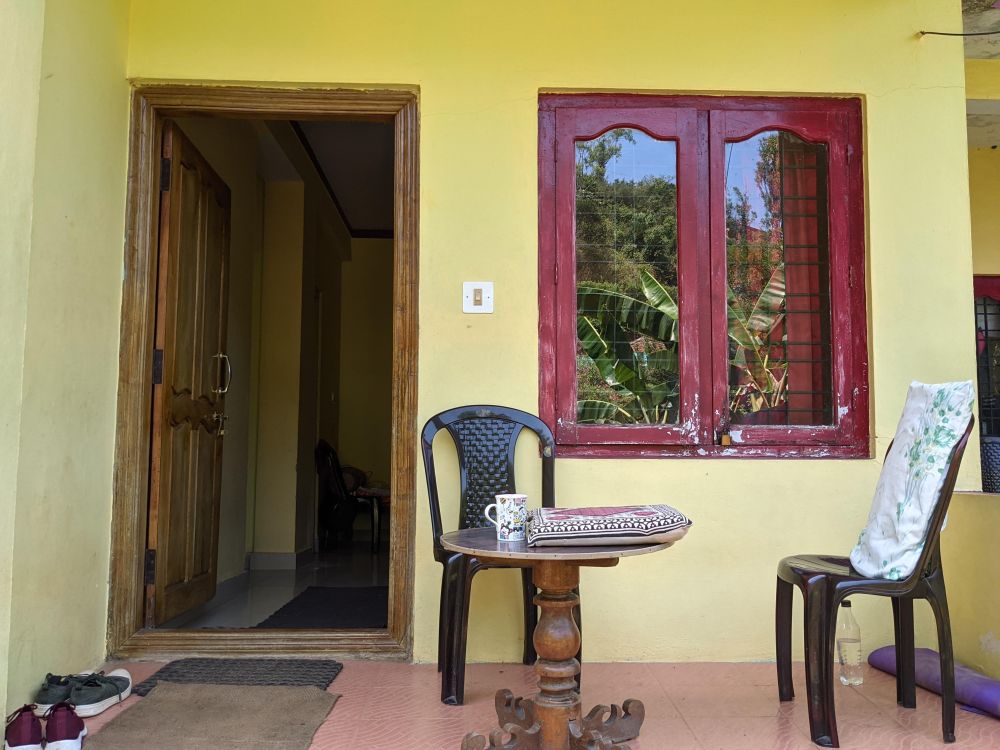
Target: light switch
(477, 296)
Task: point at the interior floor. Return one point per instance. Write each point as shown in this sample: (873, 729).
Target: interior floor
(264, 592)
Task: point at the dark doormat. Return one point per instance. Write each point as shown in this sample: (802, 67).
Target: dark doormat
(334, 607)
(291, 672)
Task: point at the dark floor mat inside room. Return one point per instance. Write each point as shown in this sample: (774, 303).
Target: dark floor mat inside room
(330, 607)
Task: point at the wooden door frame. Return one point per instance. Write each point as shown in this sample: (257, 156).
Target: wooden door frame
(151, 105)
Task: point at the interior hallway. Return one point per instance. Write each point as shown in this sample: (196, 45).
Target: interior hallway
(262, 592)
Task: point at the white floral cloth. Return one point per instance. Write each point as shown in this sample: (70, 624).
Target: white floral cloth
(934, 419)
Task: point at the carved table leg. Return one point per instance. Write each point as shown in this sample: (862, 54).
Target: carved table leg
(520, 739)
(621, 724)
(552, 721)
(557, 641)
(511, 710)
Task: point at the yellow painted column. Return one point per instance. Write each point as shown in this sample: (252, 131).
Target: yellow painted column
(72, 290)
(20, 58)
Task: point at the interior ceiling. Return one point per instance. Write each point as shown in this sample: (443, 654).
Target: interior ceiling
(356, 158)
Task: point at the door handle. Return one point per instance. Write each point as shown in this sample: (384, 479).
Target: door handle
(227, 377)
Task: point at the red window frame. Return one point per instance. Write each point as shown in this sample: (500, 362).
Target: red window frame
(701, 126)
(986, 286)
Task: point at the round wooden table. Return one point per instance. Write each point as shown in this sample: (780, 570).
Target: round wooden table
(552, 719)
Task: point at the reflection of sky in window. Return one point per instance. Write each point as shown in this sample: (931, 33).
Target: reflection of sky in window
(647, 157)
(741, 170)
(650, 157)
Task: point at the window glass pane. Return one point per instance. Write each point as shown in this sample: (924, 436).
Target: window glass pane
(988, 361)
(626, 275)
(777, 251)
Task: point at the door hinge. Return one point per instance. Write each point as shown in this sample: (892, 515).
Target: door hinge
(149, 570)
(157, 366)
(165, 174)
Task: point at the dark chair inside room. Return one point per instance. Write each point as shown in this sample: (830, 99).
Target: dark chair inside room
(825, 581)
(485, 439)
(339, 500)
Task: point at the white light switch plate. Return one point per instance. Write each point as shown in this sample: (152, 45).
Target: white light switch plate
(477, 296)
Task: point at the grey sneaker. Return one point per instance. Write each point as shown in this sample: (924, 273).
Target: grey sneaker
(56, 689)
(99, 692)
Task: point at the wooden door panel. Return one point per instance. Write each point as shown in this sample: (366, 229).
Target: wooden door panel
(179, 374)
(173, 534)
(189, 402)
(185, 289)
(205, 524)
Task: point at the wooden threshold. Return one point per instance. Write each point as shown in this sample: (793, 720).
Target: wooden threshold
(152, 104)
(173, 644)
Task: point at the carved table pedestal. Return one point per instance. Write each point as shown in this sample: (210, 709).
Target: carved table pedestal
(552, 720)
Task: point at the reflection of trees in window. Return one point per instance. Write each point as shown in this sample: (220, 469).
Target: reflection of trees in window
(778, 274)
(755, 273)
(755, 242)
(626, 271)
(624, 224)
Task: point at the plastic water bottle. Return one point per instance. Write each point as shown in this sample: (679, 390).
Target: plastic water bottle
(849, 647)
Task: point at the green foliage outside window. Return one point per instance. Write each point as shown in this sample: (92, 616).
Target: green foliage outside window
(626, 266)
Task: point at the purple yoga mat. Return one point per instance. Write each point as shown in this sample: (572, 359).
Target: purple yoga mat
(977, 691)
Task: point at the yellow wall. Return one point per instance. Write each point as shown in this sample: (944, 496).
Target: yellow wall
(69, 319)
(320, 369)
(982, 79)
(984, 189)
(969, 544)
(20, 59)
(230, 146)
(304, 241)
(308, 410)
(289, 479)
(366, 356)
(278, 407)
(478, 68)
(972, 568)
(330, 272)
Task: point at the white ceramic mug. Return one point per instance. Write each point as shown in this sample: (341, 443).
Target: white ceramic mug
(511, 516)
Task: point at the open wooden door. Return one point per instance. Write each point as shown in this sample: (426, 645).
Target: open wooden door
(191, 377)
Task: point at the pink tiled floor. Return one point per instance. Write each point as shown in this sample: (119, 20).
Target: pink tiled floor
(386, 706)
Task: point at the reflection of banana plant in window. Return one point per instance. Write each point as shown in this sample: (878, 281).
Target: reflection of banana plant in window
(633, 345)
(756, 292)
(763, 378)
(626, 270)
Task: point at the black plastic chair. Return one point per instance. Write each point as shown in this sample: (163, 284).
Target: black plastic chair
(355, 482)
(825, 581)
(338, 504)
(485, 438)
